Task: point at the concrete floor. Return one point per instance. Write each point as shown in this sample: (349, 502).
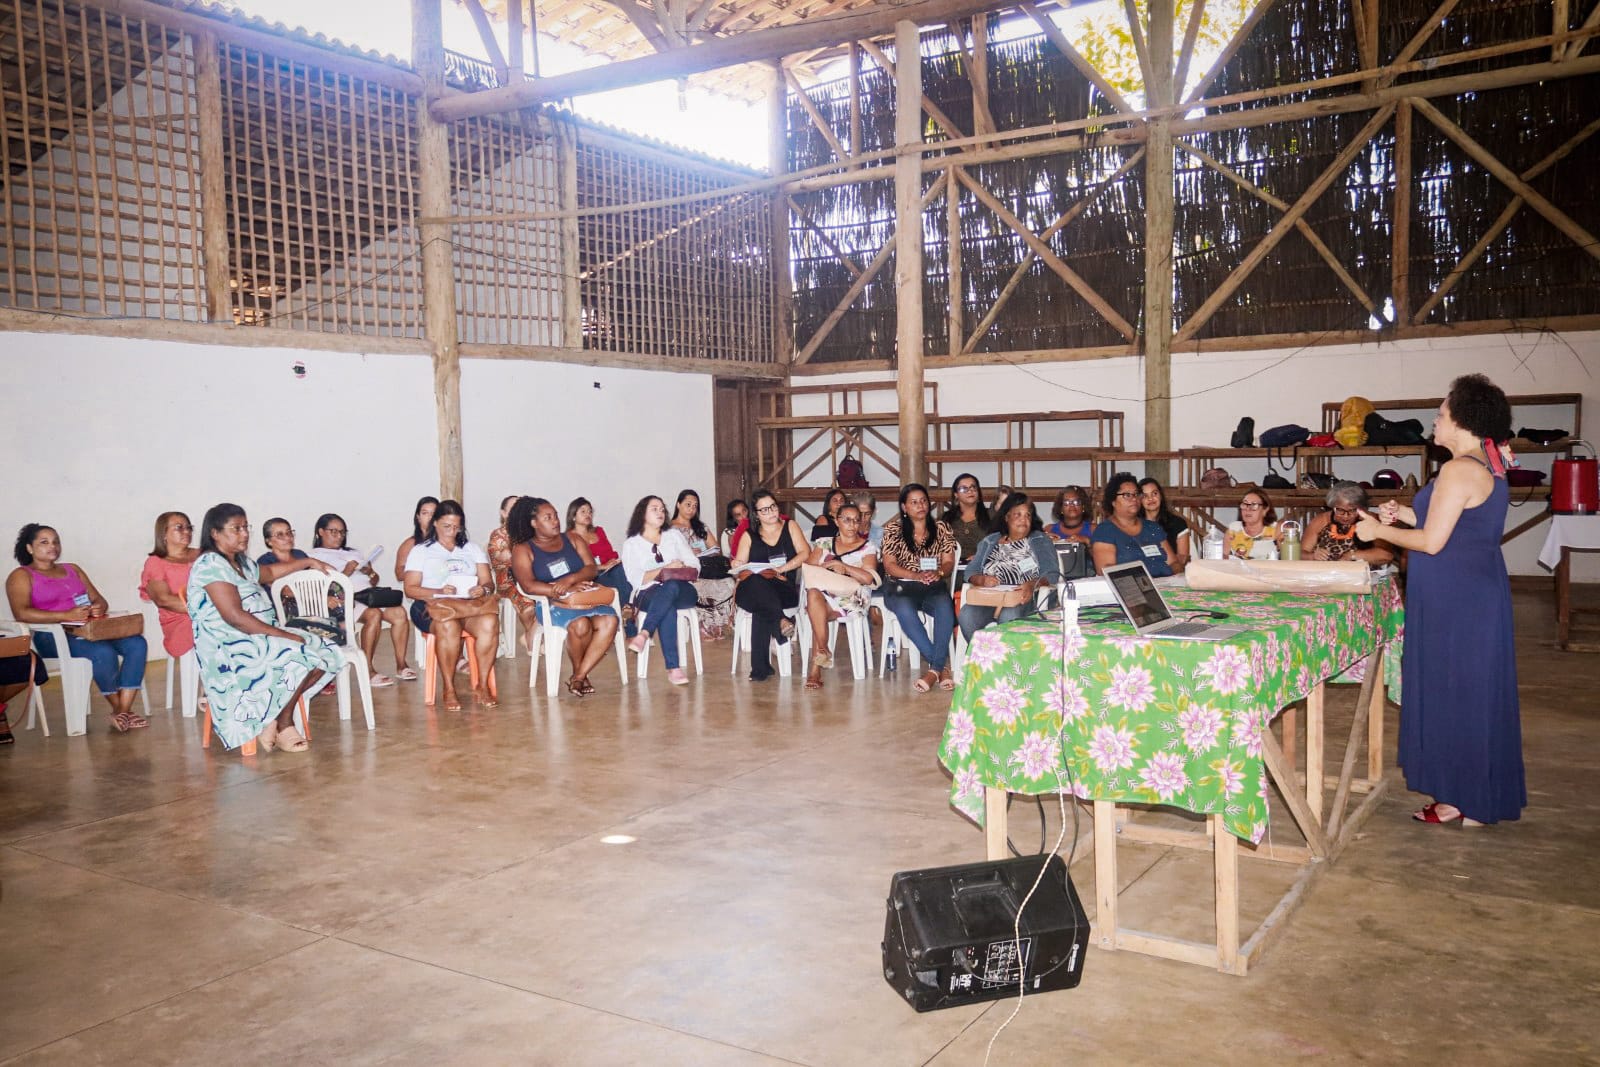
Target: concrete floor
(437, 891)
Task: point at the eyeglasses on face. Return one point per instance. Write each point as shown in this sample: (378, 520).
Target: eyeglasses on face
(766, 509)
(334, 530)
(967, 488)
(180, 527)
(1251, 505)
(1127, 496)
(282, 533)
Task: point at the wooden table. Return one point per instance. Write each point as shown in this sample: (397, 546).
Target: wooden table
(1319, 803)
(1569, 534)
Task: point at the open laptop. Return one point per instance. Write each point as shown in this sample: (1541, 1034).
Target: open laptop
(1147, 609)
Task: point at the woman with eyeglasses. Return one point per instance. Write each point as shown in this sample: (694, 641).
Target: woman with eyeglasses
(854, 558)
(282, 558)
(769, 554)
(967, 516)
(1254, 534)
(330, 544)
(1331, 536)
(1125, 535)
(919, 557)
(254, 672)
(1071, 517)
(44, 590)
(164, 581)
(1153, 501)
(554, 564)
(1016, 553)
(654, 546)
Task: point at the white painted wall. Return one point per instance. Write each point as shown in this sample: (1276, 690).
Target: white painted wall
(106, 433)
(1213, 390)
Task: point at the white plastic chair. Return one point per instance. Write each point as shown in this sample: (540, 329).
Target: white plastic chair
(310, 589)
(77, 680)
(508, 630)
(857, 632)
(555, 639)
(742, 621)
(688, 631)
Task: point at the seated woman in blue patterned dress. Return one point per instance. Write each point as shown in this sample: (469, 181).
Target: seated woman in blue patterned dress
(253, 672)
(549, 563)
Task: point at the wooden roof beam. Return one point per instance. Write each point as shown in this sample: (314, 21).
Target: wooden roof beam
(694, 59)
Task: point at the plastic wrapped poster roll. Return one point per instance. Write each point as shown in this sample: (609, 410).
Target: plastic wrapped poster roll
(1278, 576)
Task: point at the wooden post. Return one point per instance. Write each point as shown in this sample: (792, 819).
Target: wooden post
(438, 280)
(855, 98)
(1158, 272)
(994, 822)
(1226, 859)
(908, 252)
(571, 283)
(1400, 256)
(1105, 874)
(1316, 733)
(957, 319)
(514, 41)
(214, 254)
(777, 163)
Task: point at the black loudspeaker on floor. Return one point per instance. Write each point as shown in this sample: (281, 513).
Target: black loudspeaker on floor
(948, 937)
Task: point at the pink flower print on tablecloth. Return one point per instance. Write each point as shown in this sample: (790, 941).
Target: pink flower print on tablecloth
(987, 650)
(1004, 702)
(960, 732)
(1227, 669)
(1164, 774)
(1128, 645)
(1229, 776)
(969, 782)
(1247, 732)
(1111, 749)
(1066, 700)
(1064, 651)
(1200, 726)
(1130, 688)
(1039, 754)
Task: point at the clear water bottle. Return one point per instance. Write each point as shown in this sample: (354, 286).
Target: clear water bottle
(891, 657)
(1212, 546)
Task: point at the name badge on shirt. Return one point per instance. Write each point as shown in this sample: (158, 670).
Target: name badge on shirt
(1154, 552)
(929, 563)
(81, 600)
(777, 561)
(559, 569)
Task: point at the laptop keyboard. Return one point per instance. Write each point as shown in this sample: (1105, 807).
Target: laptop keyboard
(1187, 629)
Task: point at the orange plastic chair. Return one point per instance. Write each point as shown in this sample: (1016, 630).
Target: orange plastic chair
(249, 747)
(430, 667)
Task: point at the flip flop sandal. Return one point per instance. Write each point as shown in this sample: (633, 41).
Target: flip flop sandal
(380, 681)
(291, 740)
(406, 674)
(1430, 814)
(926, 682)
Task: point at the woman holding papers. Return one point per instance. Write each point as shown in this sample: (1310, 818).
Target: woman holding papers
(765, 564)
(1017, 556)
(328, 544)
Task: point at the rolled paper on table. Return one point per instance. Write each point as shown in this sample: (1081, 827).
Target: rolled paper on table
(1278, 576)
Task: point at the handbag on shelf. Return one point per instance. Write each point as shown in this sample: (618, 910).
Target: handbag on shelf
(1244, 435)
(111, 627)
(1217, 478)
(452, 609)
(828, 581)
(380, 597)
(1316, 480)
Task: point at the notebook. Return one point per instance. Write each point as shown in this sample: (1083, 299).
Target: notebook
(1147, 609)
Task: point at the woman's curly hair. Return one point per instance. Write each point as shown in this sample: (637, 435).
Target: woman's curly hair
(1479, 406)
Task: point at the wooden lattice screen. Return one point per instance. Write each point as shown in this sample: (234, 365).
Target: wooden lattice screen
(322, 190)
(508, 274)
(689, 279)
(99, 164)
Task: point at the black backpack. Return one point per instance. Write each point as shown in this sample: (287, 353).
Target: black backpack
(1244, 435)
(1382, 431)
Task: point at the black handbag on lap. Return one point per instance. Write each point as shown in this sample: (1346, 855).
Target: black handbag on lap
(380, 597)
(714, 567)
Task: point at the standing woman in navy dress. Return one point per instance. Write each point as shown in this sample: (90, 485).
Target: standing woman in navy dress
(1460, 722)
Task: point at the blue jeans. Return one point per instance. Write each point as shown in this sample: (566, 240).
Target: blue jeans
(108, 676)
(617, 578)
(660, 605)
(975, 617)
(935, 602)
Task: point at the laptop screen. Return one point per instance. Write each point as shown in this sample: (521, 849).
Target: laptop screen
(1138, 593)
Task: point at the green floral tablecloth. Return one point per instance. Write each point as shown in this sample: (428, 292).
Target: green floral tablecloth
(1155, 722)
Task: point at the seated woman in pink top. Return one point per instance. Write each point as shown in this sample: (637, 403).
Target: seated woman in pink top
(166, 577)
(43, 589)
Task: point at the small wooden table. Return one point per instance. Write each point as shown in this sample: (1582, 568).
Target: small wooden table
(1569, 534)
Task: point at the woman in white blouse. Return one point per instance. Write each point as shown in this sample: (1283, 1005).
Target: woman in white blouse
(853, 558)
(446, 565)
(651, 548)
